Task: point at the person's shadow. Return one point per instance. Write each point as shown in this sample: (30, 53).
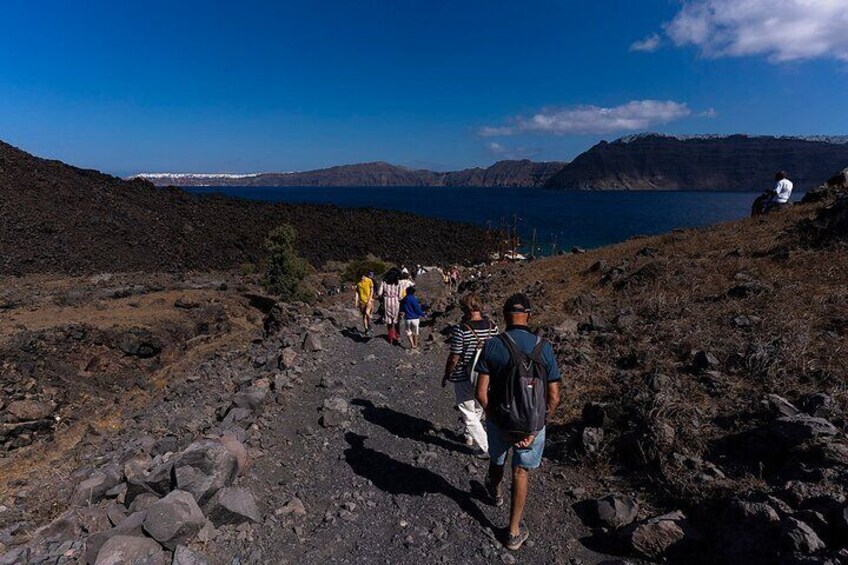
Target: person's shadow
(355, 335)
(395, 477)
(408, 427)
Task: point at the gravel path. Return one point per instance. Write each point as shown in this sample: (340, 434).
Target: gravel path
(393, 483)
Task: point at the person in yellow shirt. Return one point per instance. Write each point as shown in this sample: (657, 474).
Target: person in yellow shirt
(365, 299)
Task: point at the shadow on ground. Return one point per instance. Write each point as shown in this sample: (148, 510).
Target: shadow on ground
(409, 427)
(396, 478)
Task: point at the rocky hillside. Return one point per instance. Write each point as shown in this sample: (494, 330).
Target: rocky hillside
(736, 162)
(501, 174)
(58, 218)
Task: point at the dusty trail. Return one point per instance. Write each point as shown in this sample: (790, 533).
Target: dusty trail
(395, 484)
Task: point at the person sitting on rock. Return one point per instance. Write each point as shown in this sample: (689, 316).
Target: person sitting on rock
(518, 387)
(776, 198)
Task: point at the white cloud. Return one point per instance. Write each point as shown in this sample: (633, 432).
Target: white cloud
(648, 45)
(783, 30)
(500, 151)
(633, 116)
(708, 113)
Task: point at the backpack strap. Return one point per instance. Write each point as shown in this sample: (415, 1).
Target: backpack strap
(512, 347)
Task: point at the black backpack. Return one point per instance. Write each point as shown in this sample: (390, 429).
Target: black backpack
(518, 395)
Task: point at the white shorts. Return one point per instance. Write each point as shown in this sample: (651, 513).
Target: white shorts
(412, 326)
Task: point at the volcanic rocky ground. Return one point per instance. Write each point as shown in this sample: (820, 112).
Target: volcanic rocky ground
(186, 417)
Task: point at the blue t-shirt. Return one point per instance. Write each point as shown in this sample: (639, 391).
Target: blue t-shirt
(495, 355)
(411, 308)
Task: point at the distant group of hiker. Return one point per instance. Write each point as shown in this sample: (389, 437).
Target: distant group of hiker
(397, 291)
(506, 383)
(775, 198)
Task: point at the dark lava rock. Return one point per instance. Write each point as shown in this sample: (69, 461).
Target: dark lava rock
(749, 288)
(335, 413)
(185, 556)
(27, 410)
(139, 342)
(790, 431)
(93, 489)
(130, 550)
(779, 406)
(616, 510)
(597, 323)
(174, 519)
(592, 439)
(798, 537)
(820, 405)
(232, 505)
(747, 532)
(131, 526)
(252, 398)
(312, 342)
(205, 467)
(661, 535)
(705, 361)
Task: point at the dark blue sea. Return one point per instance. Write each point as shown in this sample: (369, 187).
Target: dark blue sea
(585, 219)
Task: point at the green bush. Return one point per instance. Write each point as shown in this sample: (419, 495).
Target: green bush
(285, 269)
(354, 270)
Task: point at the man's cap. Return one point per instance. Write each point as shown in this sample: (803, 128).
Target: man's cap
(370, 273)
(518, 304)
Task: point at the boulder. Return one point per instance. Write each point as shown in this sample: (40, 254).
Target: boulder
(567, 328)
(145, 477)
(747, 532)
(185, 556)
(252, 398)
(335, 413)
(790, 431)
(615, 510)
(598, 323)
(312, 342)
(138, 342)
(288, 358)
(820, 405)
(232, 505)
(661, 535)
(238, 450)
(28, 410)
(205, 467)
(779, 406)
(131, 526)
(294, 507)
(798, 537)
(93, 489)
(174, 519)
(130, 550)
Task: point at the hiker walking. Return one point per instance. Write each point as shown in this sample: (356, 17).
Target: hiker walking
(466, 342)
(365, 299)
(405, 282)
(518, 387)
(412, 314)
(390, 292)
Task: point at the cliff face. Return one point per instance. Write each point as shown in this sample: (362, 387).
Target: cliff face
(737, 162)
(506, 174)
(58, 218)
(501, 174)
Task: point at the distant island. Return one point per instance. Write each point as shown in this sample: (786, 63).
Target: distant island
(521, 173)
(648, 161)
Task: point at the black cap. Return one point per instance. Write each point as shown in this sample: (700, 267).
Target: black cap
(517, 304)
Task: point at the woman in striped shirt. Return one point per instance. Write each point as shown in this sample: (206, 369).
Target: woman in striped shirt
(467, 339)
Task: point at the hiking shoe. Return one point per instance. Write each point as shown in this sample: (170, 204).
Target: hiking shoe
(514, 543)
(481, 453)
(496, 498)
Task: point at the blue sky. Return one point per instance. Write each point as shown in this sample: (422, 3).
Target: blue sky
(272, 86)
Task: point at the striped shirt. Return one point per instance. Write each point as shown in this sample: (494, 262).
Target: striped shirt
(465, 338)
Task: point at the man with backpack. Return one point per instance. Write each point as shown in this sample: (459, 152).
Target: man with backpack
(466, 342)
(518, 387)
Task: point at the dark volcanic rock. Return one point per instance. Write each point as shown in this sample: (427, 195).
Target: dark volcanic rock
(795, 430)
(204, 468)
(131, 550)
(174, 520)
(232, 506)
(616, 510)
(58, 218)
